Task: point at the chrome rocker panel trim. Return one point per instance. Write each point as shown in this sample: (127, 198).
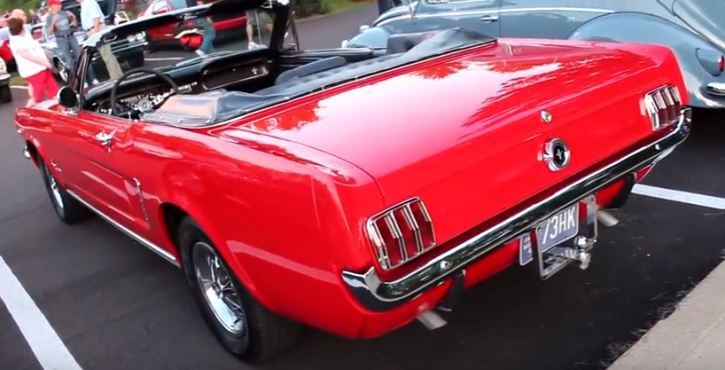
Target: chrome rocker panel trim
(138, 238)
(377, 295)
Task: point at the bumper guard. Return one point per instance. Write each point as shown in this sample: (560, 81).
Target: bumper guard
(377, 295)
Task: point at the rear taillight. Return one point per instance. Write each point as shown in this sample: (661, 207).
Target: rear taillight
(401, 233)
(664, 106)
(721, 63)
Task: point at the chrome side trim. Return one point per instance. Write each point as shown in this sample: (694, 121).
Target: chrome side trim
(377, 295)
(141, 240)
(55, 167)
(459, 13)
(142, 201)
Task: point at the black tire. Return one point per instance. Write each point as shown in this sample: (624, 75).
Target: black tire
(6, 95)
(68, 209)
(261, 333)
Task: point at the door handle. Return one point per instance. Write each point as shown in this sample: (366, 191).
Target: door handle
(104, 138)
(489, 18)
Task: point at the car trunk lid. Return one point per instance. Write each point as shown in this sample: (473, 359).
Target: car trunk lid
(466, 133)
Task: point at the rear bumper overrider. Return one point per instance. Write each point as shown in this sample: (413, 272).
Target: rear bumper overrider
(377, 295)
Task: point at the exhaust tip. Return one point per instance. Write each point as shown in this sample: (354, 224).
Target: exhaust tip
(606, 218)
(431, 320)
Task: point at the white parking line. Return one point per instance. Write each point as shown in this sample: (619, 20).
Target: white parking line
(680, 196)
(48, 348)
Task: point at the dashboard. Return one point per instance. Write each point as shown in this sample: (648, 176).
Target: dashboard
(143, 93)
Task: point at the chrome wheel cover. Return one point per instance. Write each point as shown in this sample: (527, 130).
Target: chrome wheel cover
(218, 289)
(54, 189)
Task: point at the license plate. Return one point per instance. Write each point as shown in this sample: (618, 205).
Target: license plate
(558, 228)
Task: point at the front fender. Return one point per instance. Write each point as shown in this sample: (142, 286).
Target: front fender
(643, 28)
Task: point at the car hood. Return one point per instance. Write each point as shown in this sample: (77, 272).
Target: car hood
(704, 17)
(457, 129)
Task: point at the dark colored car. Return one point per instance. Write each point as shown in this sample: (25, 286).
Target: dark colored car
(693, 29)
(128, 50)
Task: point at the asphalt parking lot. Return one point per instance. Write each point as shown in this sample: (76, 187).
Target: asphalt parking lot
(116, 306)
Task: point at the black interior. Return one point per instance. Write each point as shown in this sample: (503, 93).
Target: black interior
(225, 86)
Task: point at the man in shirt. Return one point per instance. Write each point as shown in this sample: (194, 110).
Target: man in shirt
(60, 24)
(209, 34)
(34, 17)
(92, 22)
(20, 14)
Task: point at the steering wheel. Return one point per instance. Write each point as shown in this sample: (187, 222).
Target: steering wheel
(155, 103)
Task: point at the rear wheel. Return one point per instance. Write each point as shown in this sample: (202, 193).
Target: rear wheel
(241, 324)
(68, 209)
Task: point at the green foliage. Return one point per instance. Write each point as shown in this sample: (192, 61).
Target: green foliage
(325, 6)
(26, 5)
(307, 8)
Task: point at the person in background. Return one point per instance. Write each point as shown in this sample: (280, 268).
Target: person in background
(92, 22)
(43, 15)
(262, 22)
(209, 34)
(60, 24)
(34, 17)
(20, 14)
(33, 64)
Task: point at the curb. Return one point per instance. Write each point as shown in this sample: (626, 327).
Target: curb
(691, 338)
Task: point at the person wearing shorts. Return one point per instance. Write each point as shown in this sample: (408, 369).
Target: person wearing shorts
(260, 21)
(33, 64)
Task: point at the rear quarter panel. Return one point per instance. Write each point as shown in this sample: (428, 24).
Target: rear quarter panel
(273, 209)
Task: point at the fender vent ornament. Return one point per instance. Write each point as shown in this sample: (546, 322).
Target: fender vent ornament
(556, 155)
(546, 117)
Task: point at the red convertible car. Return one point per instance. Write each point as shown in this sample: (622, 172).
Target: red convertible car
(291, 189)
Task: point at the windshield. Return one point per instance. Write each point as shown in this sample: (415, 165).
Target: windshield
(191, 41)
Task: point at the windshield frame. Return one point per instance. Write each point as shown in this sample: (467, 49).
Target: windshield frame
(280, 8)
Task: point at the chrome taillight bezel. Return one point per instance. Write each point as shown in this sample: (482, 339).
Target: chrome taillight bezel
(388, 215)
(663, 106)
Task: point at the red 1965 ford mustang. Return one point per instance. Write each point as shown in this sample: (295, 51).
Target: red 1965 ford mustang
(351, 191)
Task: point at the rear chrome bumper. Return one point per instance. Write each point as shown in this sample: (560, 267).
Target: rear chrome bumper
(377, 295)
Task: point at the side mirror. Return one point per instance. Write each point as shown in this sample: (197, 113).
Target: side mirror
(344, 43)
(364, 28)
(68, 98)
